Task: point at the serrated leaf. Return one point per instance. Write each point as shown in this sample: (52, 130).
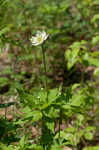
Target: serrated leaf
(37, 115)
(50, 126)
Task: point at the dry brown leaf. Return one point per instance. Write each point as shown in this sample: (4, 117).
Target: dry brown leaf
(9, 117)
(66, 148)
(34, 131)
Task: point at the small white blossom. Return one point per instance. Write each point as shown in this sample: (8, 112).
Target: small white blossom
(38, 97)
(59, 93)
(39, 38)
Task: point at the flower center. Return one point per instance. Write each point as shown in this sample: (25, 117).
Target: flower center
(39, 38)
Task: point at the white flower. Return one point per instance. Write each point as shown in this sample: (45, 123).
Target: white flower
(38, 97)
(39, 38)
(42, 88)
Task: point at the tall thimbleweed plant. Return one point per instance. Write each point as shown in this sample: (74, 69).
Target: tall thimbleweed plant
(40, 39)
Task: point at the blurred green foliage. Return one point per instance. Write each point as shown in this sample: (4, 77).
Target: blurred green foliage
(72, 56)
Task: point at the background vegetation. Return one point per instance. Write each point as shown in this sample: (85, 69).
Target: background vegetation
(70, 117)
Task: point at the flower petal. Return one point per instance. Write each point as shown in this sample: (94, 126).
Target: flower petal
(38, 33)
(45, 36)
(43, 33)
(33, 39)
(35, 44)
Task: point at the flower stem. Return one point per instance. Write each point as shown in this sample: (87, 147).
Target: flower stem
(44, 62)
(60, 121)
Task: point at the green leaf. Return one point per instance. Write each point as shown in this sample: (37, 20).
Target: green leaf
(91, 148)
(35, 115)
(36, 147)
(94, 61)
(85, 58)
(88, 136)
(95, 40)
(51, 112)
(71, 57)
(80, 119)
(26, 99)
(4, 147)
(56, 147)
(74, 86)
(77, 100)
(89, 132)
(50, 125)
(22, 142)
(6, 29)
(96, 72)
(96, 17)
(53, 94)
(3, 81)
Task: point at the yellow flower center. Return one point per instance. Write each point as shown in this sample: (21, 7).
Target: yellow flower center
(39, 39)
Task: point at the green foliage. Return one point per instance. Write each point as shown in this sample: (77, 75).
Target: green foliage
(68, 113)
(91, 148)
(6, 104)
(4, 147)
(96, 72)
(3, 81)
(79, 53)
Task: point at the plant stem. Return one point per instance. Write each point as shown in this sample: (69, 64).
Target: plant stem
(5, 113)
(82, 77)
(44, 62)
(60, 121)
